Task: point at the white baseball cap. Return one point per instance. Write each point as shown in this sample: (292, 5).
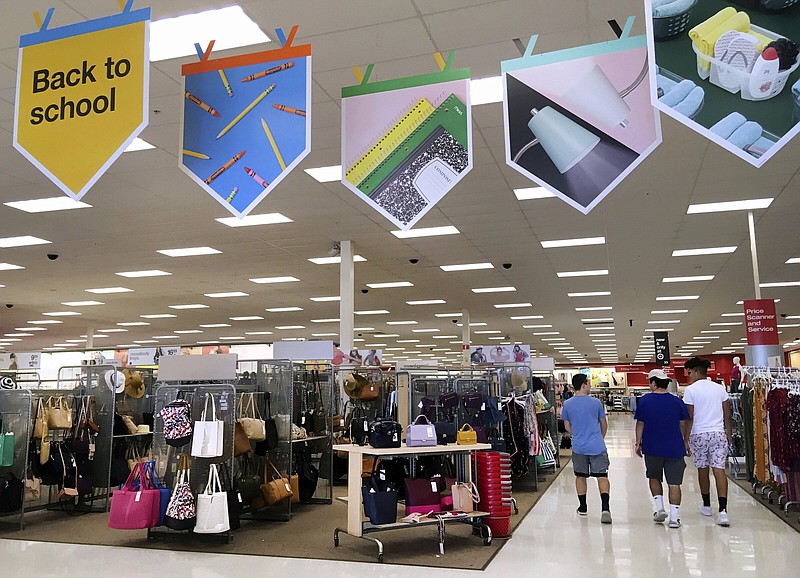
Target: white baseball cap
(657, 374)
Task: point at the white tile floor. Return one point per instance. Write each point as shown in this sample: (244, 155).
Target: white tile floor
(552, 541)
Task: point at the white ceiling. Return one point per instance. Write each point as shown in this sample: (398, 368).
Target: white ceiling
(145, 203)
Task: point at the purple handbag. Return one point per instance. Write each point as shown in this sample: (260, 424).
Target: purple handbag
(472, 400)
(422, 496)
(448, 400)
(421, 433)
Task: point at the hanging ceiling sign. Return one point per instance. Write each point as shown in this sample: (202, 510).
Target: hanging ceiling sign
(407, 142)
(727, 72)
(246, 121)
(578, 121)
(82, 95)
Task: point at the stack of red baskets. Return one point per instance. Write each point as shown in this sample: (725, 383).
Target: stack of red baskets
(493, 472)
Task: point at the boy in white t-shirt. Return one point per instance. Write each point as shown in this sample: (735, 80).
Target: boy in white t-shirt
(710, 417)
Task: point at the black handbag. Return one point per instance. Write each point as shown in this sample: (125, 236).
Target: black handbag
(11, 493)
(448, 400)
(307, 473)
(235, 499)
(472, 400)
(248, 483)
(445, 432)
(270, 429)
(319, 422)
(385, 433)
(52, 471)
(119, 466)
(359, 426)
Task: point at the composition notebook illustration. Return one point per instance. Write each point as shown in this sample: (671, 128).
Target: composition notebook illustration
(415, 163)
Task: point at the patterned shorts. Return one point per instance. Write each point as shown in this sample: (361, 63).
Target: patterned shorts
(709, 449)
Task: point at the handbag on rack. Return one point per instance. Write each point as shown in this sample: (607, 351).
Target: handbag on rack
(177, 416)
(448, 400)
(493, 414)
(207, 439)
(422, 496)
(371, 391)
(59, 413)
(465, 496)
(277, 488)
(445, 432)
(248, 483)
(241, 443)
(132, 508)
(472, 400)
(385, 433)
(319, 421)
(79, 439)
(163, 491)
(250, 419)
(33, 489)
(271, 437)
(11, 493)
(40, 421)
(358, 426)
(380, 497)
(466, 436)
(233, 497)
(7, 440)
(181, 512)
(354, 384)
(212, 506)
(419, 434)
(308, 474)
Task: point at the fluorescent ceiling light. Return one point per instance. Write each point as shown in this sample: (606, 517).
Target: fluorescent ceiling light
(425, 331)
(781, 284)
(781, 325)
(581, 242)
(793, 260)
(230, 27)
(530, 193)
(598, 327)
(372, 312)
(608, 308)
(512, 305)
(496, 338)
(401, 323)
(487, 331)
(546, 333)
(133, 324)
(49, 204)
(189, 251)
(594, 273)
(323, 335)
(335, 260)
(427, 302)
(668, 311)
(590, 294)
(660, 329)
(109, 290)
(523, 317)
(540, 326)
(9, 267)
(228, 294)
(247, 318)
(138, 145)
(61, 313)
(147, 273)
(386, 335)
(232, 338)
(447, 315)
(283, 309)
(426, 231)
(444, 336)
(284, 279)
(602, 335)
(144, 341)
(604, 340)
(729, 206)
(408, 341)
(285, 327)
(253, 220)
(23, 241)
(466, 267)
(733, 323)
(687, 278)
(742, 302)
(211, 325)
(597, 319)
(166, 336)
(325, 174)
(486, 90)
(390, 285)
(61, 345)
(424, 345)
(188, 331)
(81, 303)
(554, 338)
(663, 321)
(678, 298)
(189, 306)
(326, 299)
(706, 251)
(31, 328)
(494, 289)
(718, 330)
(733, 315)
(20, 335)
(158, 316)
(329, 320)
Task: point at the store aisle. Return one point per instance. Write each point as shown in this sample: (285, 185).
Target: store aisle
(552, 541)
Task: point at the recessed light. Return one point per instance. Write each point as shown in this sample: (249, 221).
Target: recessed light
(591, 273)
(401, 322)
(660, 329)
(718, 330)
(731, 324)
(604, 340)
(408, 341)
(554, 338)
(523, 317)
(425, 331)
(444, 336)
(597, 319)
(265, 333)
(247, 318)
(286, 327)
(547, 333)
(678, 298)
(133, 324)
(65, 344)
(780, 284)
(605, 308)
(227, 294)
(189, 306)
(748, 205)
(188, 331)
(668, 311)
(732, 315)
(390, 285)
(590, 294)
(19, 334)
(31, 328)
(512, 305)
(283, 309)
(146, 273)
(530, 193)
(109, 290)
(189, 251)
(781, 325)
(158, 316)
(230, 27)
(284, 279)
(427, 302)
(705, 251)
(329, 320)
(661, 321)
(325, 174)
(386, 335)
(494, 289)
(372, 312)
(253, 220)
(23, 241)
(585, 241)
(487, 332)
(540, 326)
(47, 205)
(335, 260)
(166, 336)
(61, 313)
(426, 232)
(687, 278)
(599, 327)
(81, 303)
(326, 299)
(329, 335)
(10, 267)
(466, 267)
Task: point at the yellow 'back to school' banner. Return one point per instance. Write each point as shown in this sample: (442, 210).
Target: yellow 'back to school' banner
(82, 96)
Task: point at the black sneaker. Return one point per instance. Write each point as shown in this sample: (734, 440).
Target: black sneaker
(583, 511)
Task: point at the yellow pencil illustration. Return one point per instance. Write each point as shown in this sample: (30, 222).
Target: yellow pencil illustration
(225, 82)
(225, 167)
(233, 194)
(196, 155)
(274, 145)
(250, 107)
(272, 70)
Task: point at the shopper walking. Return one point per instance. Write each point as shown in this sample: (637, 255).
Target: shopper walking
(662, 437)
(585, 420)
(710, 414)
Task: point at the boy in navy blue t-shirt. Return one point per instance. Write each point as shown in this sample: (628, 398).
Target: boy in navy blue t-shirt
(662, 436)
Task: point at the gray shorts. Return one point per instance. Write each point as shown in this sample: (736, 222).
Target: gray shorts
(585, 466)
(671, 468)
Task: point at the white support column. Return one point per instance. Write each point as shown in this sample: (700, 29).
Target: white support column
(89, 337)
(754, 253)
(347, 280)
(465, 360)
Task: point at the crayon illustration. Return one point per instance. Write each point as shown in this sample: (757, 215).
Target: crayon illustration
(273, 144)
(225, 167)
(272, 70)
(254, 175)
(250, 107)
(200, 103)
(225, 82)
(233, 194)
(284, 108)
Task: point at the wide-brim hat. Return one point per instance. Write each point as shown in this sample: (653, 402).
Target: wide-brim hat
(115, 380)
(354, 383)
(134, 384)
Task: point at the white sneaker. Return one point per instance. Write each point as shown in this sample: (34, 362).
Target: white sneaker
(705, 510)
(722, 519)
(674, 524)
(605, 517)
(659, 516)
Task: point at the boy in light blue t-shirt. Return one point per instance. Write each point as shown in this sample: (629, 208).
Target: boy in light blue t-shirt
(585, 419)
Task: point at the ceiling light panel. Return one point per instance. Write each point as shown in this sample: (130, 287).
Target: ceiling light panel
(687, 278)
(589, 273)
(678, 298)
(390, 285)
(145, 273)
(283, 309)
(427, 302)
(705, 251)
(189, 252)
(585, 241)
(531, 193)
(254, 220)
(335, 260)
(426, 232)
(466, 267)
(47, 205)
(81, 303)
(494, 289)
(329, 174)
(227, 294)
(189, 306)
(747, 205)
(512, 305)
(267, 280)
(23, 241)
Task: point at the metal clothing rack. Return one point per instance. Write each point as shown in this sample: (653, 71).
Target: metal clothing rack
(15, 411)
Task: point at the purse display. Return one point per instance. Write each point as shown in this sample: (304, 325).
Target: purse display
(358, 427)
(385, 433)
(380, 498)
(421, 433)
(250, 419)
(40, 421)
(465, 496)
(472, 400)
(164, 492)
(445, 432)
(212, 506)
(448, 400)
(319, 423)
(248, 482)
(59, 413)
(308, 474)
(234, 498)
(11, 493)
(132, 508)
(466, 435)
(241, 443)
(207, 439)
(422, 496)
(277, 488)
(177, 416)
(181, 512)
(7, 440)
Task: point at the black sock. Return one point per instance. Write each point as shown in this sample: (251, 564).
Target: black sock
(582, 502)
(706, 500)
(604, 500)
(723, 504)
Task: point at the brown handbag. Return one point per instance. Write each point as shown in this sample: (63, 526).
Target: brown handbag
(40, 421)
(370, 391)
(241, 443)
(294, 481)
(59, 413)
(277, 489)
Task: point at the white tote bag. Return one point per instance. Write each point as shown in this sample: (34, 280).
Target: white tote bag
(212, 506)
(207, 440)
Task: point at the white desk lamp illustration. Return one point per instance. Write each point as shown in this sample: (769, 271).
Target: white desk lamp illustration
(591, 95)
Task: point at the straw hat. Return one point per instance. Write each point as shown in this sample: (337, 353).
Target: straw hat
(133, 384)
(518, 381)
(354, 384)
